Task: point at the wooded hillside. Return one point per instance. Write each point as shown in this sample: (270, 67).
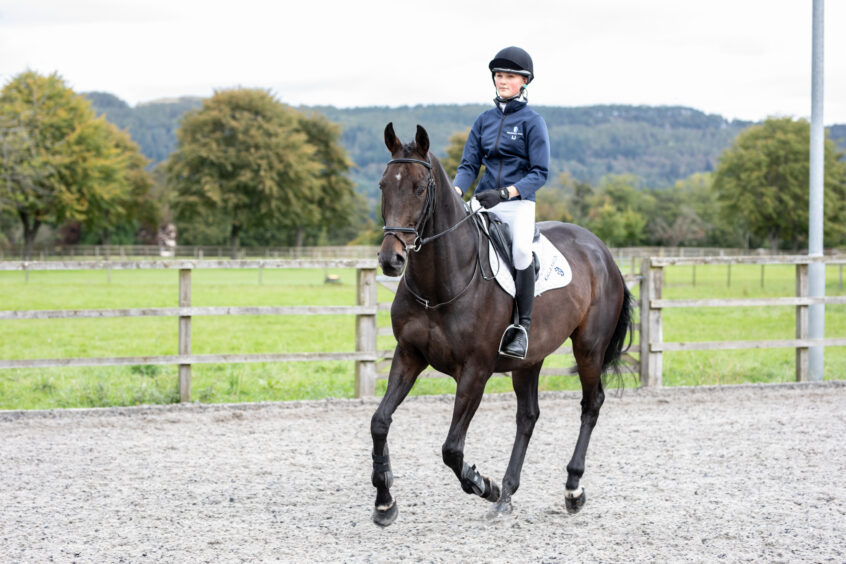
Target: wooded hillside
(659, 144)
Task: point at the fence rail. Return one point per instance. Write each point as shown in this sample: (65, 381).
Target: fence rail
(371, 363)
(365, 355)
(44, 252)
(652, 344)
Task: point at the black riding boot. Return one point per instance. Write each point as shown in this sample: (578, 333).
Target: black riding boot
(518, 342)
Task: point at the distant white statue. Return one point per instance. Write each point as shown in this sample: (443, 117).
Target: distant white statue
(166, 239)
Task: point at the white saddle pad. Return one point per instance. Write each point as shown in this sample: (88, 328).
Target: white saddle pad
(554, 271)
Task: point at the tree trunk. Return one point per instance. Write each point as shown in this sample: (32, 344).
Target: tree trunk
(29, 231)
(775, 240)
(233, 241)
(106, 241)
(300, 236)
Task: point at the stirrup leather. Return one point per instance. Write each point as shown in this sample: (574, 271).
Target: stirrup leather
(505, 333)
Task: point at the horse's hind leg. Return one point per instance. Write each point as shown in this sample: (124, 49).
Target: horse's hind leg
(468, 396)
(590, 374)
(526, 388)
(405, 368)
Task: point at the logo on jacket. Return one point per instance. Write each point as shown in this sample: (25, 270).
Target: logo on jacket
(514, 133)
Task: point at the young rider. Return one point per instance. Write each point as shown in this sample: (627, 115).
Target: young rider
(512, 141)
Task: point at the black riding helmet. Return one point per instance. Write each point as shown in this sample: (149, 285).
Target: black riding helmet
(514, 60)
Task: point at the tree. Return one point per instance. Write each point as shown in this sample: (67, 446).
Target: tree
(762, 182)
(338, 205)
(58, 161)
(143, 205)
(243, 159)
(453, 158)
(618, 211)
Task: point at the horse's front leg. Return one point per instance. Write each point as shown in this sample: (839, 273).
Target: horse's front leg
(405, 368)
(468, 396)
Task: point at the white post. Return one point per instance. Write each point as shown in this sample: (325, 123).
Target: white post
(184, 335)
(816, 272)
(651, 363)
(365, 333)
(802, 356)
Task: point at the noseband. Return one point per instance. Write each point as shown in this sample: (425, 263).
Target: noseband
(425, 215)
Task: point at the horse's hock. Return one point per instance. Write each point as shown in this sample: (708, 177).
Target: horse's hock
(694, 474)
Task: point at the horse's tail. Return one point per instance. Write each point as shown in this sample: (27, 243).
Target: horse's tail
(618, 346)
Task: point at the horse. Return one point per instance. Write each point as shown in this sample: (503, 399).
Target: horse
(448, 314)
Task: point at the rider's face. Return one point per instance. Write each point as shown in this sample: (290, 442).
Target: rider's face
(508, 84)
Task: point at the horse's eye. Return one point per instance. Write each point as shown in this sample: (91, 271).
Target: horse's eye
(418, 190)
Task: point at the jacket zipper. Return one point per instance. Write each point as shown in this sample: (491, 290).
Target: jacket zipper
(496, 146)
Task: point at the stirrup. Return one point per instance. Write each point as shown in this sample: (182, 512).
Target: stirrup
(502, 340)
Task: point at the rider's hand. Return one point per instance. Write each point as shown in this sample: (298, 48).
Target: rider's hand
(490, 198)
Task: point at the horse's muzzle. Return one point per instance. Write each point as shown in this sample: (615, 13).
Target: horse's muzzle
(391, 257)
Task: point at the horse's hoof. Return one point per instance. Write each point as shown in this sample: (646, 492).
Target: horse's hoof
(384, 516)
(493, 491)
(500, 508)
(575, 500)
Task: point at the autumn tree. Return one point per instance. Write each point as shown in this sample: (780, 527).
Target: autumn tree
(762, 181)
(58, 162)
(338, 205)
(244, 160)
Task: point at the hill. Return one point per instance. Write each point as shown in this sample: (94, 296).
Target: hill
(659, 144)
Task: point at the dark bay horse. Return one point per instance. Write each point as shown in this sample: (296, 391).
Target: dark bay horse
(449, 314)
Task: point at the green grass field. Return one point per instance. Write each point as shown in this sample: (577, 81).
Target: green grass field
(86, 387)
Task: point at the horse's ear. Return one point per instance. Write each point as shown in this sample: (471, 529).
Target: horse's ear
(422, 140)
(391, 142)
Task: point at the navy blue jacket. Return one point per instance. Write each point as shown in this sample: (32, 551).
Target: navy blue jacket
(514, 147)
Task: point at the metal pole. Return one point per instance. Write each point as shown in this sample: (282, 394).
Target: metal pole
(816, 272)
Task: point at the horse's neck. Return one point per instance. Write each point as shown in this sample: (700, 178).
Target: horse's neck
(446, 263)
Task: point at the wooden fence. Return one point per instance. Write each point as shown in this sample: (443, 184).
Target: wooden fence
(371, 364)
(365, 310)
(652, 344)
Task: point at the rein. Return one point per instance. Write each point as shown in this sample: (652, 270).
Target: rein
(419, 240)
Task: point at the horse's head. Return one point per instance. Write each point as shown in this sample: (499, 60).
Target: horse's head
(407, 195)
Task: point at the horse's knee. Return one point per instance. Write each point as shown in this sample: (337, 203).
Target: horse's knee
(526, 420)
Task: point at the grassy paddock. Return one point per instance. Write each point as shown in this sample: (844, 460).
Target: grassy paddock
(84, 387)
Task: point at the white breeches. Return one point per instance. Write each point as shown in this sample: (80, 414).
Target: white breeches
(520, 217)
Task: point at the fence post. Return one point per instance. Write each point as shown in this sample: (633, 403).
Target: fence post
(184, 334)
(651, 285)
(802, 323)
(365, 333)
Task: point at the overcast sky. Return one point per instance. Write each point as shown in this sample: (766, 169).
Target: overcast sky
(745, 59)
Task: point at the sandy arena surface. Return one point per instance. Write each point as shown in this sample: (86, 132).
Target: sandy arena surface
(731, 474)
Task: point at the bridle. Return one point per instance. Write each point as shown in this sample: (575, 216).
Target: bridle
(425, 214)
(419, 240)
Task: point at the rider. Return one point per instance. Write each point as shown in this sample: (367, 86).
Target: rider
(512, 141)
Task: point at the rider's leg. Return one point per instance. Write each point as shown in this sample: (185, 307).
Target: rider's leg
(520, 215)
